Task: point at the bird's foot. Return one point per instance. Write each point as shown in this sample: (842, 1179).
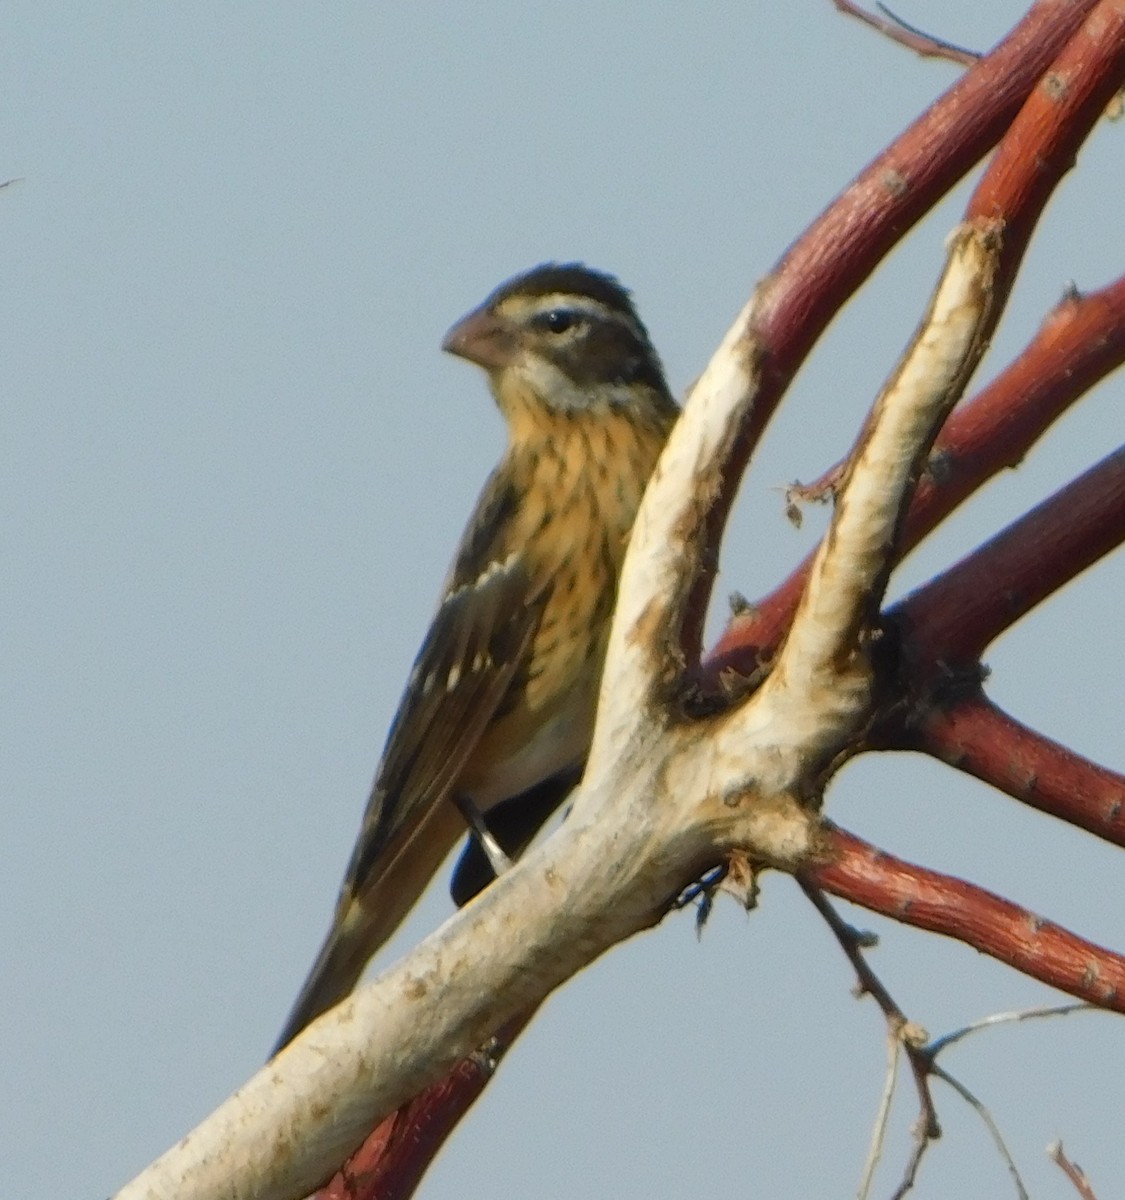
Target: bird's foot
(474, 818)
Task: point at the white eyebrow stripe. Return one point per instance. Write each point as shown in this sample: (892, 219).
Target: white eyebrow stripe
(533, 306)
(569, 300)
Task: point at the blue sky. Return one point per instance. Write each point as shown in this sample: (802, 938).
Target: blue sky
(235, 464)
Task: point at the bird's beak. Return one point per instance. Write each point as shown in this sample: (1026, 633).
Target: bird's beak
(482, 338)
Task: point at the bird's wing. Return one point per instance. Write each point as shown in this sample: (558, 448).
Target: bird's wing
(475, 647)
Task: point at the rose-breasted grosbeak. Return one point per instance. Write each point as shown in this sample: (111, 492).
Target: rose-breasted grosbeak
(499, 707)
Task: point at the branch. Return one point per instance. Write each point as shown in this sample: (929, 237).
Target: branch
(975, 736)
(1081, 342)
(897, 30)
(913, 895)
(1072, 1171)
(390, 1163)
(953, 618)
(993, 1129)
(904, 1035)
(847, 242)
(968, 453)
(851, 567)
(1012, 1017)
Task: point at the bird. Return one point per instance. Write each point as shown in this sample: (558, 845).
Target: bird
(498, 711)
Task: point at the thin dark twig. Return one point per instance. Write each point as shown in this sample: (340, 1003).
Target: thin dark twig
(853, 943)
(905, 1033)
(922, 1056)
(961, 54)
(897, 30)
(989, 1124)
(910, 1171)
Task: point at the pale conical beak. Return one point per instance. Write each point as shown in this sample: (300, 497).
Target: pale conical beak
(482, 338)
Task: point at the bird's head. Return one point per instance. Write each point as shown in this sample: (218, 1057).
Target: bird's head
(565, 337)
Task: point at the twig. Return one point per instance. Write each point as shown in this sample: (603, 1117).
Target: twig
(897, 30)
(882, 1118)
(989, 1123)
(905, 1035)
(1072, 1171)
(1005, 1018)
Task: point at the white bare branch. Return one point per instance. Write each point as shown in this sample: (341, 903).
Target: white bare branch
(823, 664)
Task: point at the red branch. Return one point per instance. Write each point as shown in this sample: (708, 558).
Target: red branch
(1038, 149)
(857, 871)
(846, 243)
(391, 1162)
(975, 736)
(1045, 137)
(1079, 343)
(953, 618)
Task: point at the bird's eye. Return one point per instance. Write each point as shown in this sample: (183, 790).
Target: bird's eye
(559, 320)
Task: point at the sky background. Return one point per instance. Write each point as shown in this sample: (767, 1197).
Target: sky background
(234, 467)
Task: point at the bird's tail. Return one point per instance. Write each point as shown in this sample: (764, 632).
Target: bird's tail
(370, 910)
(338, 966)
